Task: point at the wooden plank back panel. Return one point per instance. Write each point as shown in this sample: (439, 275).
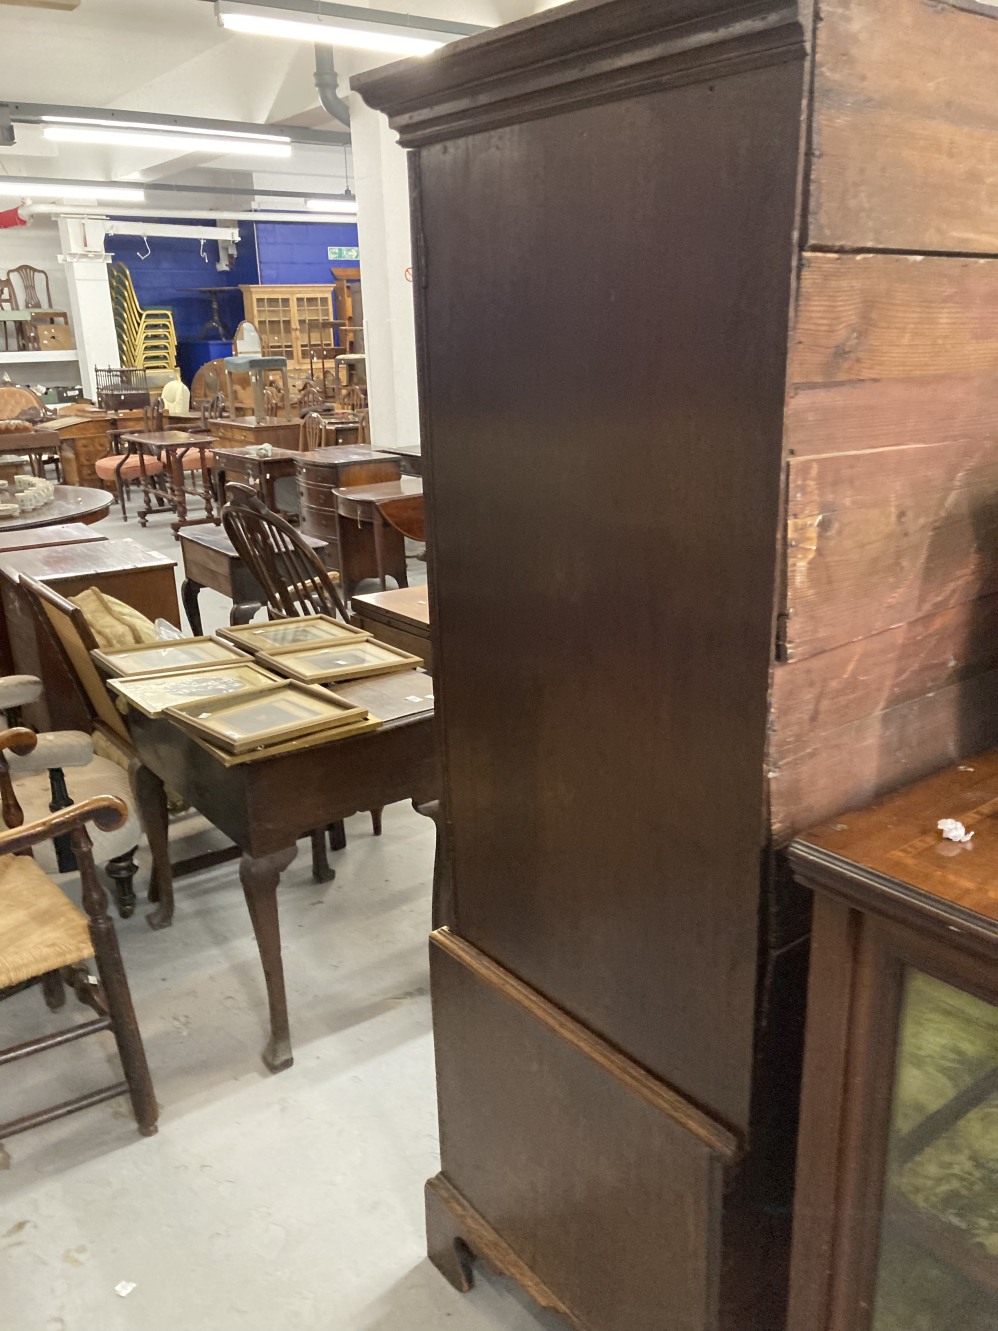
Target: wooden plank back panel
(820, 693)
(848, 767)
(880, 539)
(603, 707)
(846, 417)
(623, 1226)
(891, 316)
(905, 127)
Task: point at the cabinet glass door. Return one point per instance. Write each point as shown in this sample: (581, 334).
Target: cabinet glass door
(938, 1261)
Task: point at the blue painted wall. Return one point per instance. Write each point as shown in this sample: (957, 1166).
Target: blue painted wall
(175, 266)
(275, 253)
(291, 253)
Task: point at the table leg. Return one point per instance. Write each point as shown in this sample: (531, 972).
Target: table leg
(259, 878)
(189, 593)
(242, 612)
(206, 490)
(179, 492)
(150, 797)
(379, 553)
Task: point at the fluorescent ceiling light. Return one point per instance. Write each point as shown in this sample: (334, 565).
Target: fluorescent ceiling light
(52, 189)
(167, 129)
(331, 205)
(320, 30)
(164, 138)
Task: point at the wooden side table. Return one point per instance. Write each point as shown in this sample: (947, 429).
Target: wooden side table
(139, 577)
(210, 560)
(896, 1223)
(400, 618)
(361, 531)
(173, 448)
(248, 466)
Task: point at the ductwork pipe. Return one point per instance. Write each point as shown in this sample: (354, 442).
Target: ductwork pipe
(326, 82)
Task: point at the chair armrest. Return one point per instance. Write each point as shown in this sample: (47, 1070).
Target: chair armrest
(106, 811)
(17, 690)
(55, 748)
(19, 740)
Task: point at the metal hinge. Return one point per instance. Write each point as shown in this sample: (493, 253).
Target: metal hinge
(420, 259)
(783, 652)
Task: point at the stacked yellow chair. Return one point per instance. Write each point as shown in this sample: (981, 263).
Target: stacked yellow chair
(147, 339)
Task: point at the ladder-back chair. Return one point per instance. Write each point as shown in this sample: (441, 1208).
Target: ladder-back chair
(45, 938)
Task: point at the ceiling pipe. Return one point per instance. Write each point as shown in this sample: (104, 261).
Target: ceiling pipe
(327, 83)
(29, 210)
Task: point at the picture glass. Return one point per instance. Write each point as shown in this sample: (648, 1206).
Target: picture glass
(295, 633)
(155, 659)
(263, 715)
(153, 693)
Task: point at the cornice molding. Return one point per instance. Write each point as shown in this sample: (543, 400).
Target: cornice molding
(574, 56)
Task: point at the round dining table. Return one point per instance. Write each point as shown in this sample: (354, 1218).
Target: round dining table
(71, 503)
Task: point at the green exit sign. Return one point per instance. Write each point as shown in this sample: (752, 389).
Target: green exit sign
(343, 252)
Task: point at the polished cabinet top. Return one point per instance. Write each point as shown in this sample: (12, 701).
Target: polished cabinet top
(898, 837)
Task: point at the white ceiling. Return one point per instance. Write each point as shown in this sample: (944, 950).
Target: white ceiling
(169, 56)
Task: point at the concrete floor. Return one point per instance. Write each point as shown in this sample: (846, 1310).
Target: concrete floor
(265, 1202)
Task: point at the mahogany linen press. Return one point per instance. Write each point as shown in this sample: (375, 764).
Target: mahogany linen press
(707, 321)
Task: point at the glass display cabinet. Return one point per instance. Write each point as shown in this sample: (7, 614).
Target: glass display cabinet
(896, 1212)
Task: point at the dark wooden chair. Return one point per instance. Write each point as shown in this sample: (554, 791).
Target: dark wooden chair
(312, 432)
(44, 939)
(33, 282)
(31, 279)
(294, 580)
(8, 301)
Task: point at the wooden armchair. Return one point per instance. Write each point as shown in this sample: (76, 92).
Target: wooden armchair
(41, 788)
(44, 938)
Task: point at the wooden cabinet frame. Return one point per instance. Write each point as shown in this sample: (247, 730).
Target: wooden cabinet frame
(867, 931)
(283, 315)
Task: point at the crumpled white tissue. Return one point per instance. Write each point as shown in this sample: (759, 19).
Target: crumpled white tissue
(953, 830)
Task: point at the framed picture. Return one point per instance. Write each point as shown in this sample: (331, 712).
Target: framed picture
(269, 717)
(155, 658)
(152, 694)
(322, 665)
(289, 635)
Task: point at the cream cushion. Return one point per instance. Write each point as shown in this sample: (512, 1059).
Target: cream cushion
(53, 748)
(112, 622)
(17, 690)
(40, 928)
(99, 777)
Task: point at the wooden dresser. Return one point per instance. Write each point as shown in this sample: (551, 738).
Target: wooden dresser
(320, 473)
(82, 440)
(727, 465)
(244, 430)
